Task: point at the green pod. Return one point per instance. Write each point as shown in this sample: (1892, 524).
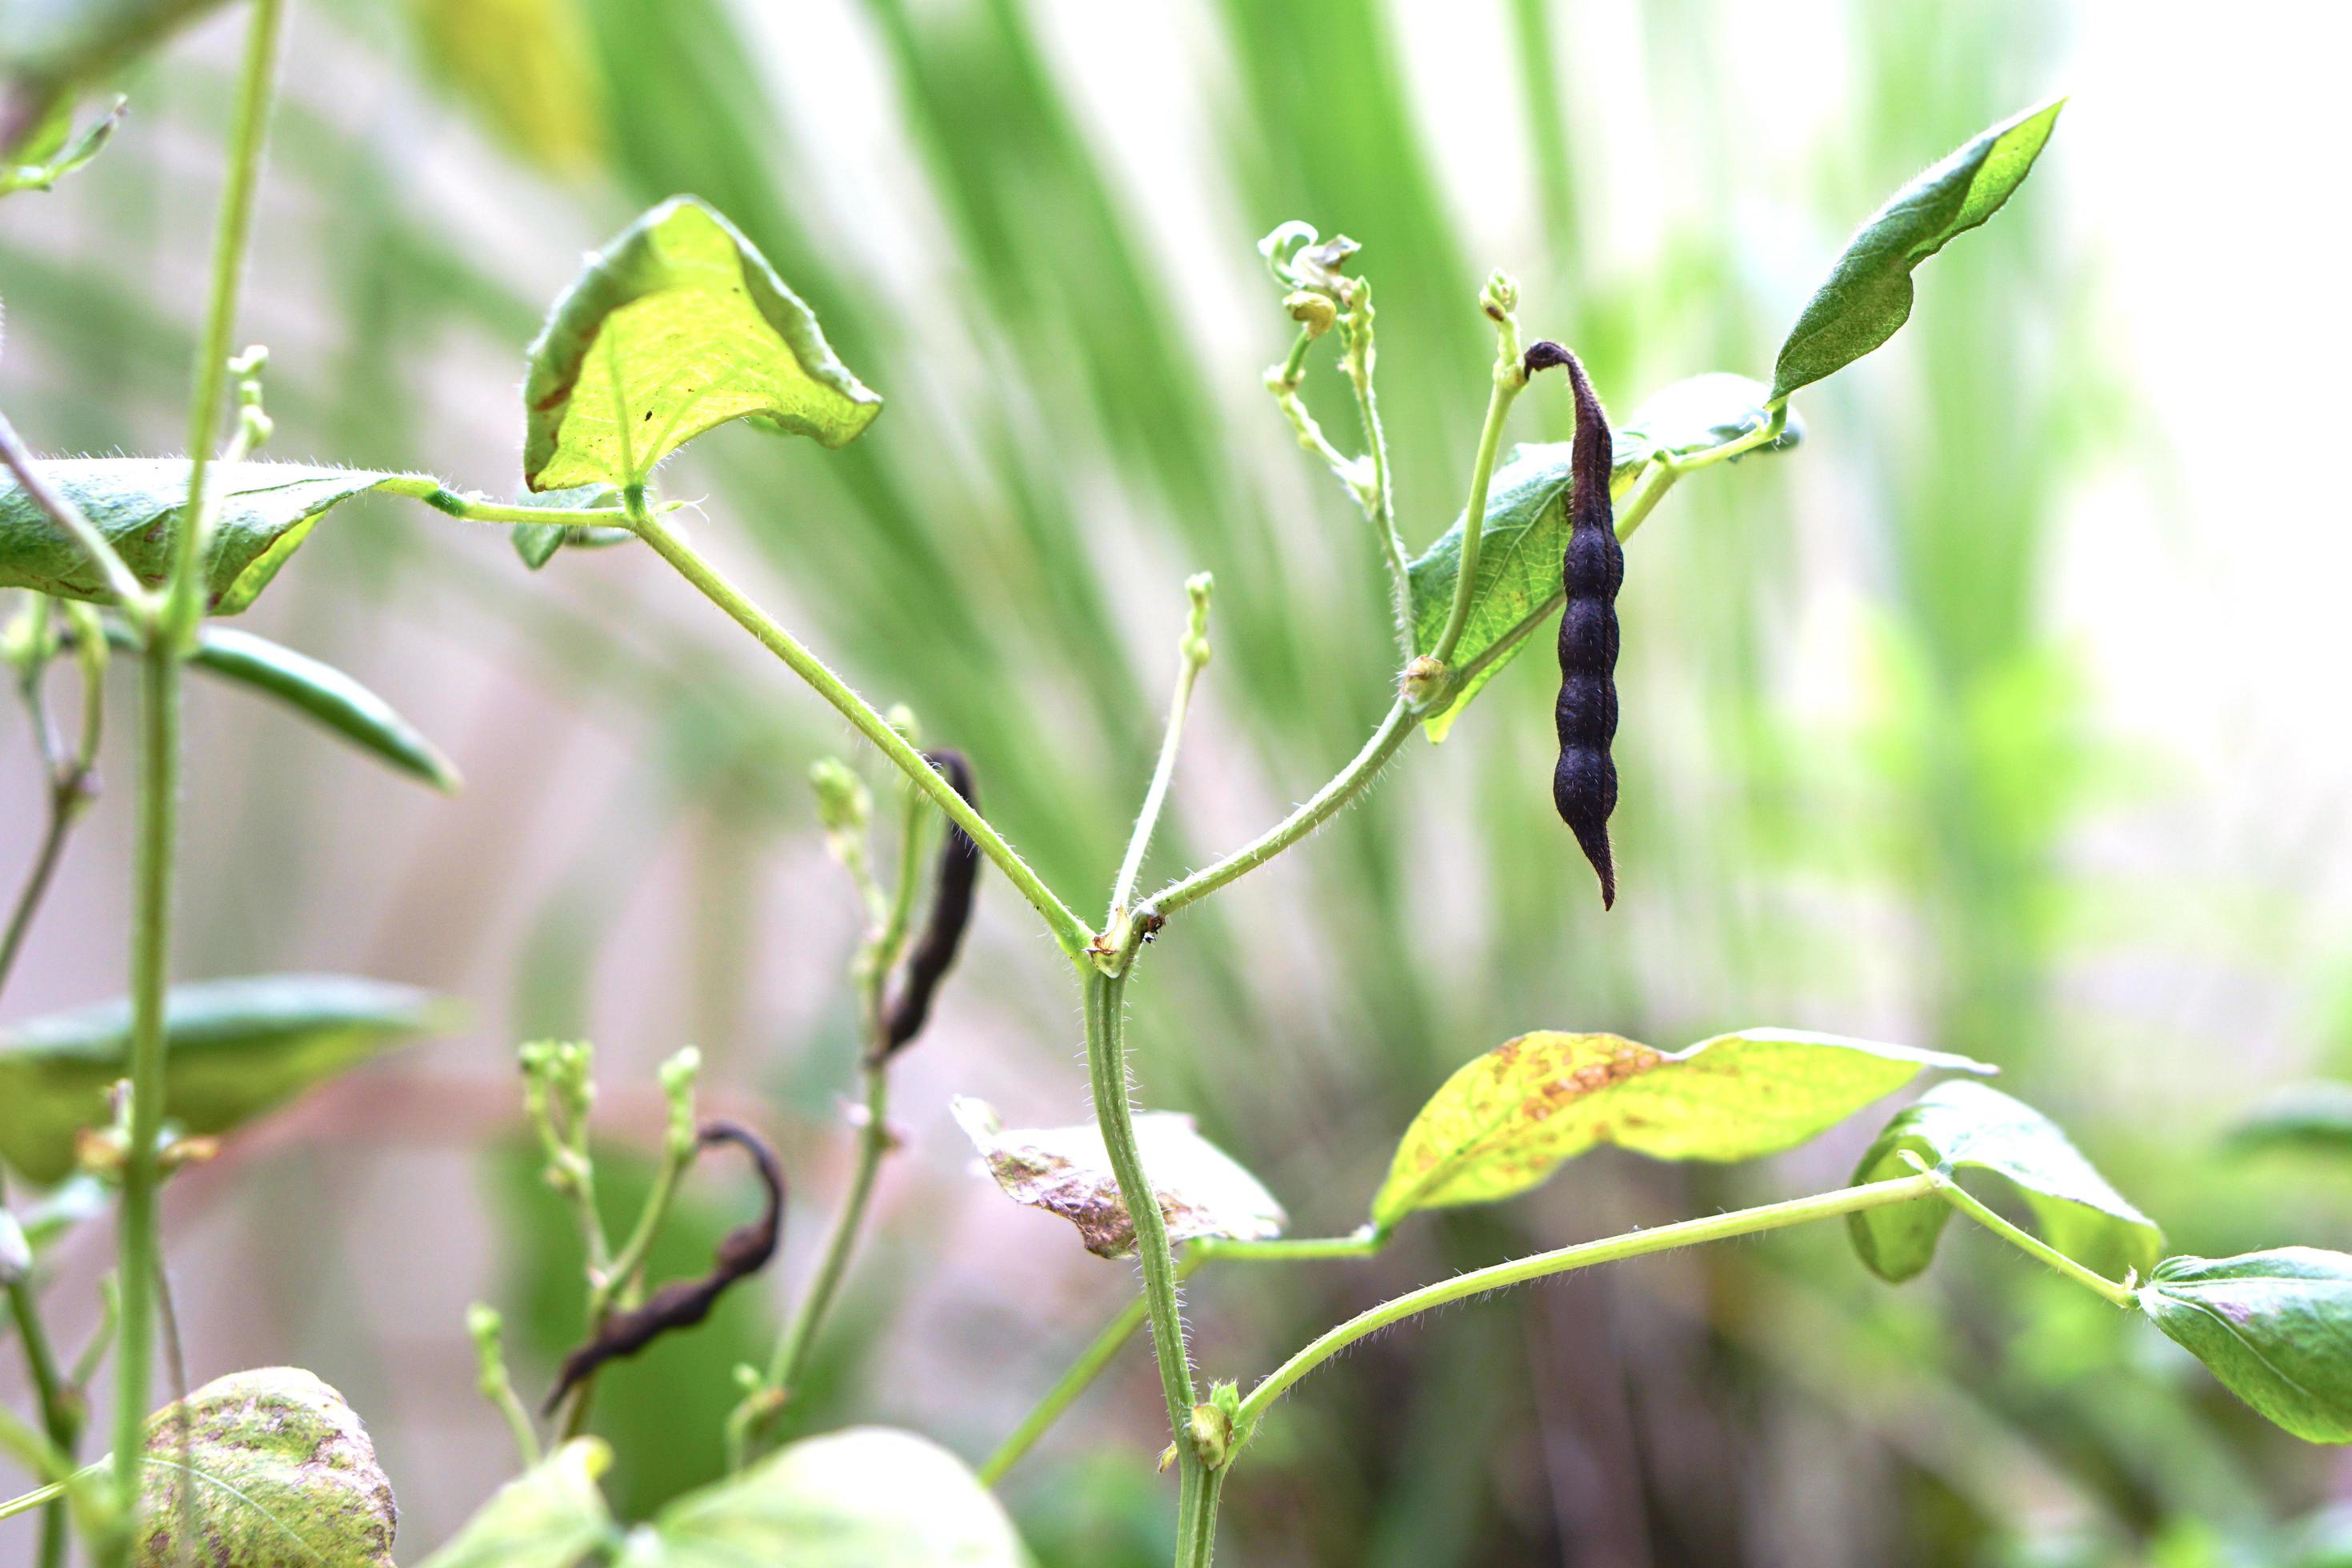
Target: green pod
(320, 690)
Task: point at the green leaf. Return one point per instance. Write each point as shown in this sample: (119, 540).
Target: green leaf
(1968, 1127)
(1867, 297)
(1203, 1191)
(2276, 1327)
(320, 690)
(273, 1470)
(237, 1049)
(867, 1498)
(677, 326)
(267, 511)
(1505, 1121)
(1527, 525)
(52, 152)
(2314, 1116)
(550, 1516)
(537, 542)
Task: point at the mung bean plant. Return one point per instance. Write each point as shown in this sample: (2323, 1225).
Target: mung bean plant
(676, 327)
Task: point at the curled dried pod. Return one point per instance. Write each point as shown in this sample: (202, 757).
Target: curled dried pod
(1592, 568)
(934, 950)
(742, 1252)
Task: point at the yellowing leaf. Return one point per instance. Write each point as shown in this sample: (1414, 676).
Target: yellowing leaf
(677, 326)
(269, 1469)
(1505, 1121)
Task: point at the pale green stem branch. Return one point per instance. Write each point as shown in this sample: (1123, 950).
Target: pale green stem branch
(159, 790)
(1068, 931)
(2033, 1247)
(1318, 809)
(231, 235)
(473, 509)
(1379, 504)
(1192, 657)
(1562, 1261)
(1106, 1003)
(754, 1420)
(1092, 1363)
(32, 1499)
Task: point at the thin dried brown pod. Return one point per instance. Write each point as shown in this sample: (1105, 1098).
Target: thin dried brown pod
(952, 895)
(1592, 568)
(742, 1252)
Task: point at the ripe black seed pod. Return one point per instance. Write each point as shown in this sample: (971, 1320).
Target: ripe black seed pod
(1592, 568)
(952, 895)
(742, 1252)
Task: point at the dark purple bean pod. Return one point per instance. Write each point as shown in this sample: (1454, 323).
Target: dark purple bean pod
(934, 952)
(742, 1252)
(1592, 568)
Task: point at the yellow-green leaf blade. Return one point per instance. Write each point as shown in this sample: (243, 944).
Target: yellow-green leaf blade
(677, 326)
(1505, 1121)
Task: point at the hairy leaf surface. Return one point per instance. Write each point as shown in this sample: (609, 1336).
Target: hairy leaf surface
(1968, 1127)
(1203, 1191)
(267, 511)
(235, 1048)
(677, 326)
(1504, 1123)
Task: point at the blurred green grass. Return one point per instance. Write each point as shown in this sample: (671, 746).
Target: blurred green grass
(1005, 552)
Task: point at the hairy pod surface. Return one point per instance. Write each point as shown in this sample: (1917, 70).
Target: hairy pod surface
(1592, 568)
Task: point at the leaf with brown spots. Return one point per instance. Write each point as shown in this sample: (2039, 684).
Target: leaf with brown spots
(1504, 1123)
(269, 1469)
(1203, 1191)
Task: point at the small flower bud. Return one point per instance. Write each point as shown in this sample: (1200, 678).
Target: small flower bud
(1424, 681)
(1501, 296)
(1314, 312)
(842, 802)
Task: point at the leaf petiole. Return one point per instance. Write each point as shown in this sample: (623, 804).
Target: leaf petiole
(1565, 1259)
(1068, 931)
(1967, 1202)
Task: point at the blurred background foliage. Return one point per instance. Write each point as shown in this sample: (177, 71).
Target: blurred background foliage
(1962, 726)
